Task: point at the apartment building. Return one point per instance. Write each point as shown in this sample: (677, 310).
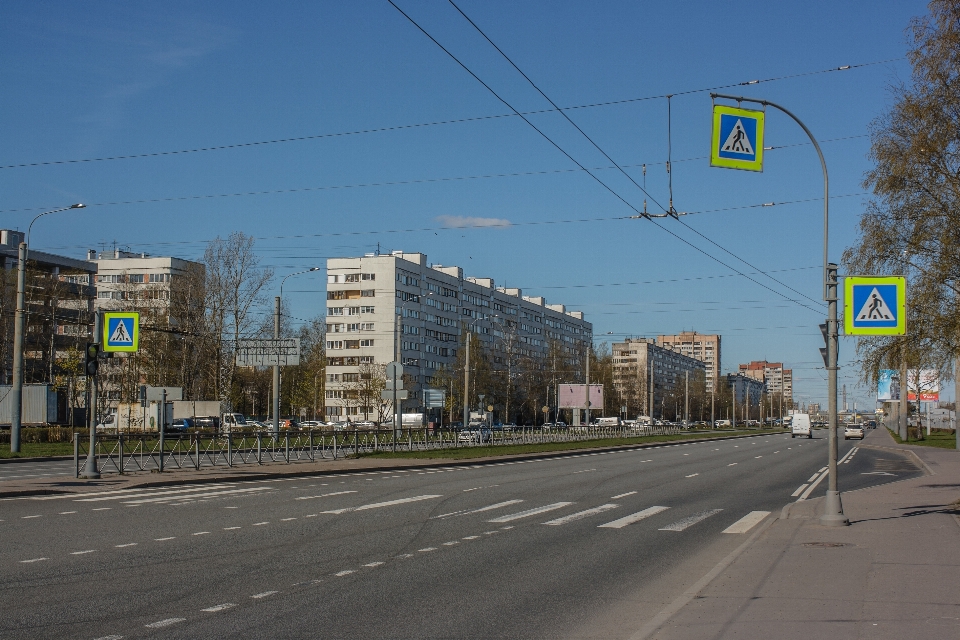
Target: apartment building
(397, 307)
(776, 379)
(126, 280)
(746, 389)
(703, 347)
(633, 361)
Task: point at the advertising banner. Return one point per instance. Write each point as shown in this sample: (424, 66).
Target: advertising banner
(888, 385)
(928, 382)
(574, 396)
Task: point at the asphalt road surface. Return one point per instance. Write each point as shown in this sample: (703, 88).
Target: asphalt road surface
(587, 545)
(43, 469)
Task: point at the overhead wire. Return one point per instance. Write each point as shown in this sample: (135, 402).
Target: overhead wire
(558, 147)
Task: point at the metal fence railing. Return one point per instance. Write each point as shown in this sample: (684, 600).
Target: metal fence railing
(132, 452)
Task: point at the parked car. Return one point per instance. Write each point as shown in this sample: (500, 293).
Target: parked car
(475, 433)
(180, 425)
(207, 422)
(853, 431)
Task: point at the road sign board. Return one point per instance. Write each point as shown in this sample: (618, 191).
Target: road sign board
(121, 331)
(387, 394)
(394, 370)
(875, 306)
(389, 384)
(737, 141)
(267, 352)
(156, 393)
(434, 398)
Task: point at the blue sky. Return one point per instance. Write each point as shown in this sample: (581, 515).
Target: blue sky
(93, 80)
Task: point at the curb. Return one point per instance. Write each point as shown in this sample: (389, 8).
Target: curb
(414, 463)
(34, 459)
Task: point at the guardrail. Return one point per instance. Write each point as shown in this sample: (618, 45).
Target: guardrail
(132, 452)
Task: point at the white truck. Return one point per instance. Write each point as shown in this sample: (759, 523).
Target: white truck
(800, 425)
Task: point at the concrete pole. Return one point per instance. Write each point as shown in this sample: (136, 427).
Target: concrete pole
(16, 401)
(904, 395)
(90, 471)
(686, 397)
(956, 401)
(733, 404)
(276, 371)
(833, 508)
(466, 384)
(586, 406)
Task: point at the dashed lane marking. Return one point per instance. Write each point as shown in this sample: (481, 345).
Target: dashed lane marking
(345, 572)
(732, 464)
(28, 517)
(33, 560)
(689, 521)
(325, 495)
(582, 514)
(389, 503)
(747, 522)
(633, 517)
(164, 623)
(230, 528)
(80, 553)
(530, 512)
(200, 533)
(426, 549)
(799, 490)
(623, 495)
(165, 539)
(265, 594)
(464, 512)
(373, 564)
(260, 524)
(122, 546)
(63, 513)
(692, 475)
(219, 607)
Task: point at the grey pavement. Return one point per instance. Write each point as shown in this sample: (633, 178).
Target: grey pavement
(583, 545)
(891, 574)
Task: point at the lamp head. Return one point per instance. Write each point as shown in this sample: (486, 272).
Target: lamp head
(79, 205)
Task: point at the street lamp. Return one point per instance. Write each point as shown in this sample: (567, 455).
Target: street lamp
(833, 509)
(276, 336)
(16, 408)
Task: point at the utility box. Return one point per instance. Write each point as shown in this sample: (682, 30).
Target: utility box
(39, 405)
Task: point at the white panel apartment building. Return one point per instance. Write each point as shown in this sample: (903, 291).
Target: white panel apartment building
(123, 276)
(365, 297)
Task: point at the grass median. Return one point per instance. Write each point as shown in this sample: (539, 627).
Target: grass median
(939, 439)
(469, 452)
(38, 450)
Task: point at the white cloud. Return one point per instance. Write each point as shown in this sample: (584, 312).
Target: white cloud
(459, 222)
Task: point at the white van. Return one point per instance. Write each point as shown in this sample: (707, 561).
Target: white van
(800, 425)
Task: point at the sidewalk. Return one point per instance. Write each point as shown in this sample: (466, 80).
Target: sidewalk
(892, 574)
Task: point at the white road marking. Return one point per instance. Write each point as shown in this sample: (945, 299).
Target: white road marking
(732, 464)
(28, 517)
(530, 512)
(582, 514)
(505, 528)
(692, 475)
(102, 509)
(345, 572)
(623, 495)
(200, 533)
(122, 546)
(451, 543)
(230, 528)
(192, 496)
(878, 473)
(164, 623)
(265, 594)
(63, 513)
(806, 494)
(325, 495)
(425, 549)
(163, 539)
(799, 490)
(109, 638)
(377, 505)
(219, 607)
(481, 509)
(373, 564)
(80, 553)
(122, 494)
(259, 524)
(633, 517)
(403, 556)
(747, 522)
(286, 519)
(33, 560)
(755, 457)
(689, 521)
(470, 537)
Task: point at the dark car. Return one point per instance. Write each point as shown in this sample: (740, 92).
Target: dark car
(181, 425)
(207, 422)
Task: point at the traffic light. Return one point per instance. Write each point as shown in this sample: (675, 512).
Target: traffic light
(92, 364)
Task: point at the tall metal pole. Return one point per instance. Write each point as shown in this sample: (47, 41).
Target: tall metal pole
(686, 397)
(276, 370)
(833, 509)
(586, 406)
(90, 471)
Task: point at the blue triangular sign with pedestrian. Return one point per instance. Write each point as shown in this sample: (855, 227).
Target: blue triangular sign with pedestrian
(874, 308)
(122, 333)
(738, 141)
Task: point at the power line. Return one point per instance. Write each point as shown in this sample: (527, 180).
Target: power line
(564, 152)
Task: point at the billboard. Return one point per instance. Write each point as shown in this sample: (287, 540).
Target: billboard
(888, 385)
(574, 396)
(928, 381)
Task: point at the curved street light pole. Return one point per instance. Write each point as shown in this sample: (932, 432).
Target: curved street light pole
(276, 336)
(16, 409)
(833, 508)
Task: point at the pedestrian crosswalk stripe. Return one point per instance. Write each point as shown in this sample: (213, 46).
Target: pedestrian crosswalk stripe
(388, 503)
(689, 521)
(747, 522)
(531, 512)
(582, 514)
(633, 517)
(193, 496)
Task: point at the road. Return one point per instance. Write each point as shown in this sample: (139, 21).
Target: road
(587, 545)
(42, 469)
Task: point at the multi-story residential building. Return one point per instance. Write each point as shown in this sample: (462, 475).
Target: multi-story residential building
(396, 307)
(59, 308)
(633, 361)
(746, 390)
(703, 347)
(123, 276)
(776, 379)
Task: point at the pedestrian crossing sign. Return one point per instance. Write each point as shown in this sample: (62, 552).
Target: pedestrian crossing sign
(121, 331)
(875, 306)
(737, 138)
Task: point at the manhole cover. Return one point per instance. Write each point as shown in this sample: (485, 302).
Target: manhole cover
(824, 544)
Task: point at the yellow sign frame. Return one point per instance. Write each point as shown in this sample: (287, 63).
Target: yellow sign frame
(755, 115)
(849, 312)
(105, 337)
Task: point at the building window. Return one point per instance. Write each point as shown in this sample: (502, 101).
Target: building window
(366, 326)
(353, 311)
(351, 277)
(333, 279)
(367, 310)
(352, 344)
(334, 344)
(366, 359)
(336, 328)
(366, 343)
(367, 293)
(368, 276)
(334, 311)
